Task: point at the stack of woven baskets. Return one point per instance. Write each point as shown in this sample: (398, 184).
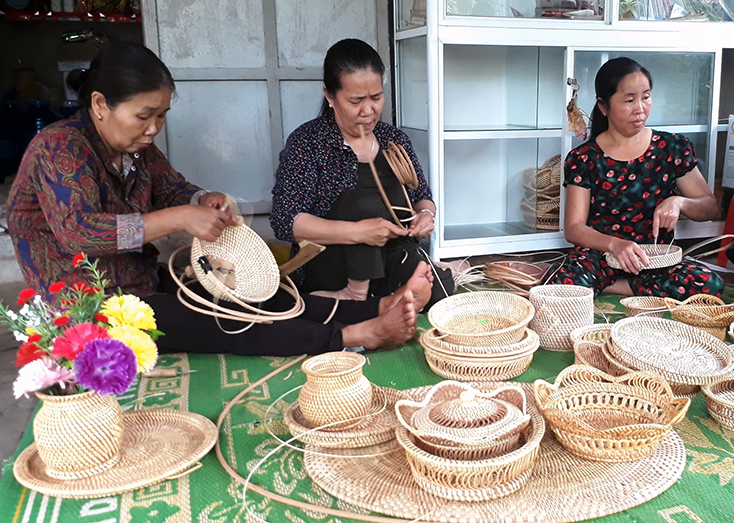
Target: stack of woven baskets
(465, 444)
(480, 336)
(542, 201)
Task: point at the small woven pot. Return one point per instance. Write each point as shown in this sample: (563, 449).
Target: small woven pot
(78, 435)
(335, 390)
(720, 402)
(649, 305)
(559, 309)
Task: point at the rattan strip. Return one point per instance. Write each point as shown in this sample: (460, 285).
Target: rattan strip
(720, 402)
(560, 309)
(653, 306)
(659, 256)
(679, 352)
(528, 343)
(462, 368)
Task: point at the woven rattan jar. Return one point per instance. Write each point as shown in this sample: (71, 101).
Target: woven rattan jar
(78, 435)
(559, 310)
(335, 390)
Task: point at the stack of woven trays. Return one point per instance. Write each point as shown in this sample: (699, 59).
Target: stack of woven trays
(605, 418)
(464, 444)
(480, 336)
(541, 203)
(704, 311)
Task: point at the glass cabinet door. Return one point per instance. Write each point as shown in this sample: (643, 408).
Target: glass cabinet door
(548, 9)
(677, 10)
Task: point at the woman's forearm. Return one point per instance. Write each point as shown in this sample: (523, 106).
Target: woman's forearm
(162, 223)
(584, 236)
(700, 209)
(322, 231)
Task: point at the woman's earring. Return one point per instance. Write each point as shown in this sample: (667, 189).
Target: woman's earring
(331, 106)
(99, 117)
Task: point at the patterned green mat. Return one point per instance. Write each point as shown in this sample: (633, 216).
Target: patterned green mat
(705, 493)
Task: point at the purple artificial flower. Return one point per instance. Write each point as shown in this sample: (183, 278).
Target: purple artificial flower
(107, 366)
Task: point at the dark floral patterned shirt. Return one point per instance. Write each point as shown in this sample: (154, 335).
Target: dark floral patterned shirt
(624, 194)
(316, 167)
(69, 198)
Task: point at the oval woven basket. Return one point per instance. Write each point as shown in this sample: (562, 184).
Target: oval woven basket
(702, 310)
(486, 318)
(527, 344)
(720, 402)
(678, 352)
(598, 332)
(559, 310)
(461, 367)
(659, 255)
(607, 418)
(653, 306)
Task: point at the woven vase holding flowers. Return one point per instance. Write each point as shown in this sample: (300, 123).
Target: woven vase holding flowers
(79, 347)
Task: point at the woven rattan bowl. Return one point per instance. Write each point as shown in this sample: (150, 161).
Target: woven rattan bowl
(660, 256)
(720, 402)
(598, 332)
(526, 344)
(647, 305)
(559, 310)
(606, 418)
(486, 318)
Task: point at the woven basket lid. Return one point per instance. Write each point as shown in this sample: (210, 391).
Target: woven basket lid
(241, 263)
(456, 413)
(156, 445)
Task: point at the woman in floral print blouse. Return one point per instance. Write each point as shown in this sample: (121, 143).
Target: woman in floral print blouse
(629, 185)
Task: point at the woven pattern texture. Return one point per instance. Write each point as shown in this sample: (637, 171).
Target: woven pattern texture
(559, 310)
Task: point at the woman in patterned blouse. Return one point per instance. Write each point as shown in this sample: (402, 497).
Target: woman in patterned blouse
(325, 191)
(628, 185)
(96, 183)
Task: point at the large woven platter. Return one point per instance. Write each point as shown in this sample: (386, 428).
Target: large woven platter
(660, 256)
(679, 352)
(156, 444)
(561, 487)
(377, 427)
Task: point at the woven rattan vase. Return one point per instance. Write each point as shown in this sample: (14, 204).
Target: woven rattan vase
(559, 309)
(78, 435)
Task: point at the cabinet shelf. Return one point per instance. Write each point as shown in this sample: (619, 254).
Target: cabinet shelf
(31, 16)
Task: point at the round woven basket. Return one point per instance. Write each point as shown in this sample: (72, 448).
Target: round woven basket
(598, 332)
(606, 418)
(527, 344)
(486, 318)
(649, 305)
(464, 367)
(659, 255)
(559, 310)
(720, 402)
(704, 311)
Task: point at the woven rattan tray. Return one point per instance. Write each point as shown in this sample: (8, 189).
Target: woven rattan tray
(679, 352)
(720, 402)
(527, 344)
(377, 427)
(562, 487)
(660, 255)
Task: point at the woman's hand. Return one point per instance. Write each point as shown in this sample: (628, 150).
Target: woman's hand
(204, 221)
(377, 231)
(630, 256)
(217, 200)
(666, 214)
(421, 226)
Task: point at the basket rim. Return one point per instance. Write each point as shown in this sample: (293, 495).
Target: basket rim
(715, 395)
(529, 343)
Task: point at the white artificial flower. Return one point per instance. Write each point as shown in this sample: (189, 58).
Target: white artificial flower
(12, 315)
(20, 336)
(25, 309)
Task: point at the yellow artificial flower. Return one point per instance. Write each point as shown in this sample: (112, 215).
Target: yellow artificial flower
(30, 331)
(129, 310)
(142, 345)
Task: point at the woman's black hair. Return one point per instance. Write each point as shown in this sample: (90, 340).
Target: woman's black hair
(120, 72)
(607, 83)
(345, 57)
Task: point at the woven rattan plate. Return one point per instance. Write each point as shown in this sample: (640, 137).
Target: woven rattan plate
(561, 487)
(377, 427)
(156, 444)
(660, 255)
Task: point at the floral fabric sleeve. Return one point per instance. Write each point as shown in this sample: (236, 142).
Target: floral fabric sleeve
(576, 171)
(680, 153)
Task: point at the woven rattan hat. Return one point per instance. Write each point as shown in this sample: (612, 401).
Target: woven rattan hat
(238, 262)
(156, 445)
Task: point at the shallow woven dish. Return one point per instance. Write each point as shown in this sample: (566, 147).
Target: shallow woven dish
(487, 318)
(559, 310)
(377, 427)
(476, 368)
(702, 310)
(606, 418)
(598, 332)
(592, 353)
(720, 402)
(653, 306)
(156, 444)
(656, 253)
(527, 344)
(255, 270)
(679, 352)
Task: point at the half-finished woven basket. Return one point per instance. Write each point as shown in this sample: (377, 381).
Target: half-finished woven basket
(659, 255)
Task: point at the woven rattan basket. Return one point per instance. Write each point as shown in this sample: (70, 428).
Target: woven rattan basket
(526, 345)
(649, 305)
(591, 353)
(606, 418)
(720, 402)
(559, 309)
(598, 332)
(704, 311)
(487, 318)
(464, 367)
(659, 255)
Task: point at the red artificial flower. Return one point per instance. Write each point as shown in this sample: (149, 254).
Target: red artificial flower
(78, 259)
(101, 318)
(75, 338)
(34, 338)
(27, 353)
(79, 286)
(90, 290)
(56, 287)
(25, 295)
(61, 320)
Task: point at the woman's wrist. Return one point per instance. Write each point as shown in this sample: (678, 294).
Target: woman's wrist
(430, 212)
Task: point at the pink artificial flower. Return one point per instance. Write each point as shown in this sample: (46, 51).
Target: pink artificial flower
(41, 374)
(75, 338)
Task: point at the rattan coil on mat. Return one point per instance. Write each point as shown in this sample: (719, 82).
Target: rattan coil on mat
(649, 305)
(702, 310)
(461, 367)
(680, 353)
(527, 344)
(598, 332)
(562, 487)
(720, 402)
(156, 445)
(659, 255)
(482, 318)
(377, 427)
(559, 309)
(607, 418)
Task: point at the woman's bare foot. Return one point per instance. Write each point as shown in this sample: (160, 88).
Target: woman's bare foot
(420, 284)
(390, 329)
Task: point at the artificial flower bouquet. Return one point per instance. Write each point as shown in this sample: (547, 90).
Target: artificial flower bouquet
(79, 339)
